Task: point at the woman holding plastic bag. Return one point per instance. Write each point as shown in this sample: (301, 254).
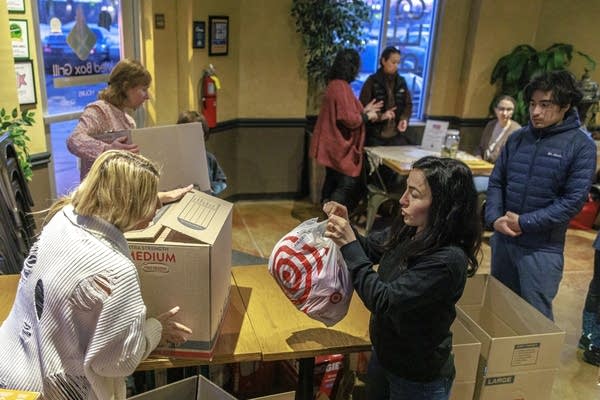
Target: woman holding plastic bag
(424, 259)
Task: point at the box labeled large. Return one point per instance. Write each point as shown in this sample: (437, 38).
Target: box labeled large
(526, 385)
(184, 259)
(517, 341)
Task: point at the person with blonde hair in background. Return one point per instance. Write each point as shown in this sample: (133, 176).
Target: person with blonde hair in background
(78, 326)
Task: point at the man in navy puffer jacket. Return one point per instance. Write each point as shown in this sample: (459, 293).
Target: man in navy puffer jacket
(539, 182)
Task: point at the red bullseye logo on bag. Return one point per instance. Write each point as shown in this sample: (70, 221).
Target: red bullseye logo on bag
(293, 267)
(336, 297)
(311, 272)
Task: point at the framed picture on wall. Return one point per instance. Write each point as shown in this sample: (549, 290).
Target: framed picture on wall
(218, 38)
(25, 82)
(19, 38)
(199, 35)
(15, 6)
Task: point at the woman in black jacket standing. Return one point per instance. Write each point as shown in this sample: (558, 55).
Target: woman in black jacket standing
(424, 259)
(388, 86)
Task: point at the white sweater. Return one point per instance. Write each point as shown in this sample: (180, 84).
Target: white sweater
(78, 326)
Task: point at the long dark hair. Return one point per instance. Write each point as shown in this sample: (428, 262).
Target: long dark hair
(345, 65)
(453, 215)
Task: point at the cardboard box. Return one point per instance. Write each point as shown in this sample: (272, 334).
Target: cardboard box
(520, 347)
(179, 150)
(193, 388)
(462, 390)
(514, 335)
(527, 385)
(184, 259)
(279, 396)
(466, 349)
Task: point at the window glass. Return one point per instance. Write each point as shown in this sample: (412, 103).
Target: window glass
(80, 45)
(408, 27)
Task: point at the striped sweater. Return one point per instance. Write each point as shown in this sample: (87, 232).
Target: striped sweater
(78, 326)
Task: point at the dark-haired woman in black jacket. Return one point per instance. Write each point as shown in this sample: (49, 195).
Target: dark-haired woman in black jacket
(424, 260)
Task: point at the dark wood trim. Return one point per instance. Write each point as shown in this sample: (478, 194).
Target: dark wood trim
(265, 196)
(40, 159)
(259, 123)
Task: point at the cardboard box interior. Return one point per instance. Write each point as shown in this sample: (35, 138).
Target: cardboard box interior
(514, 335)
(466, 349)
(193, 388)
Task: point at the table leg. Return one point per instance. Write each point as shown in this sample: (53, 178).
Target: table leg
(305, 378)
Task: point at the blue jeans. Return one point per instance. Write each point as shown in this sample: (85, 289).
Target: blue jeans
(481, 183)
(383, 385)
(532, 274)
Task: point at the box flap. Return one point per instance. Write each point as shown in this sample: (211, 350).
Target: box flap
(180, 152)
(198, 215)
(151, 232)
(185, 389)
(466, 349)
(209, 391)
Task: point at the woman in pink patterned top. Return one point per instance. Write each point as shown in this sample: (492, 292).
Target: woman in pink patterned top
(127, 90)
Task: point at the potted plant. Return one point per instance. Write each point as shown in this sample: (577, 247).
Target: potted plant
(15, 124)
(513, 71)
(327, 26)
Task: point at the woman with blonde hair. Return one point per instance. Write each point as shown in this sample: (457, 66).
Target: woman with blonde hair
(78, 326)
(127, 89)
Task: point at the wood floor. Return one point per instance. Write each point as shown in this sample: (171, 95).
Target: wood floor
(258, 225)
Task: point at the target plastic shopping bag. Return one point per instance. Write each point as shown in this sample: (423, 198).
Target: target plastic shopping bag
(312, 273)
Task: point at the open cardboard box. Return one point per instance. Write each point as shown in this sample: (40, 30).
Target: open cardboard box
(466, 349)
(184, 259)
(518, 343)
(192, 388)
(198, 388)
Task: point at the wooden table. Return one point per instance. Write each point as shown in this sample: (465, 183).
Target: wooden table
(236, 341)
(401, 158)
(261, 323)
(285, 333)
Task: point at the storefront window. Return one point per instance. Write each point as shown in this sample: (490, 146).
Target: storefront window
(80, 45)
(407, 25)
(80, 42)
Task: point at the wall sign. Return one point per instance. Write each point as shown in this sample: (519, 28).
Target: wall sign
(15, 6)
(25, 82)
(218, 42)
(19, 38)
(199, 35)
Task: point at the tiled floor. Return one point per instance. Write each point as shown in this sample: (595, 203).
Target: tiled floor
(258, 225)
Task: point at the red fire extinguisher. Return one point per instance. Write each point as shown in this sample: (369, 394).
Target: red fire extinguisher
(209, 96)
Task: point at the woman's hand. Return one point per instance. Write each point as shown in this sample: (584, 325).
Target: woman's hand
(173, 195)
(339, 230)
(373, 106)
(172, 332)
(388, 114)
(338, 225)
(120, 143)
(334, 208)
(402, 125)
